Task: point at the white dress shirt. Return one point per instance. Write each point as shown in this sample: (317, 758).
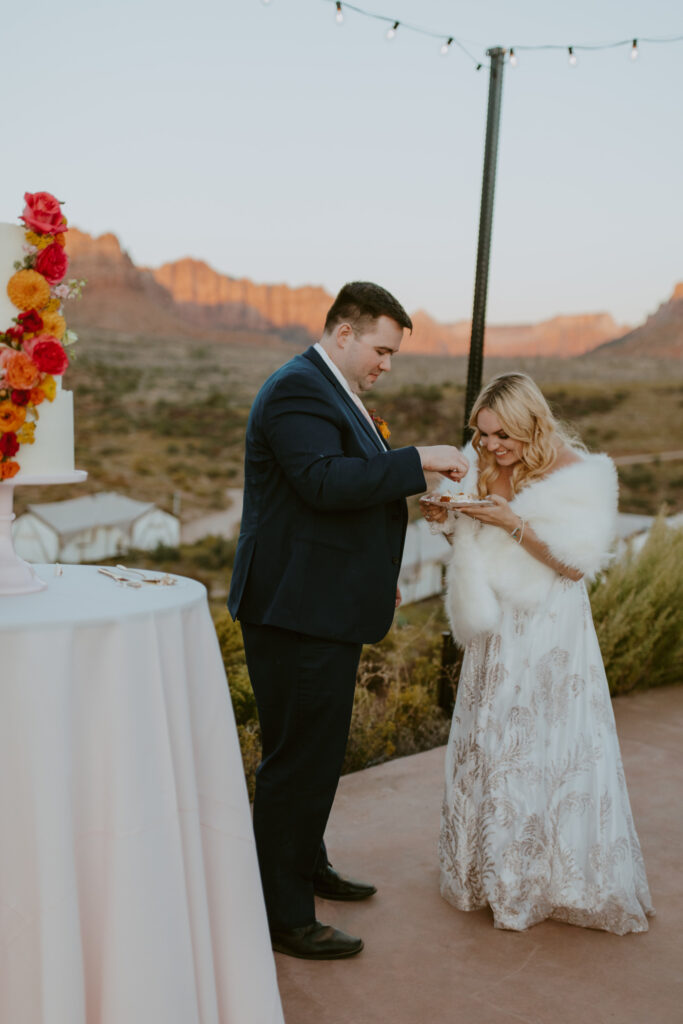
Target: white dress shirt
(345, 384)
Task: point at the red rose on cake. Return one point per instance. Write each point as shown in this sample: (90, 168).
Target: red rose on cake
(43, 213)
(31, 321)
(9, 445)
(47, 353)
(52, 263)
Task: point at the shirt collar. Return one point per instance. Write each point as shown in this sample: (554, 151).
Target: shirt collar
(335, 369)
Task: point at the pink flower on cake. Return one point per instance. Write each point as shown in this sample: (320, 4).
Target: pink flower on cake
(21, 372)
(31, 321)
(52, 263)
(9, 444)
(47, 353)
(43, 213)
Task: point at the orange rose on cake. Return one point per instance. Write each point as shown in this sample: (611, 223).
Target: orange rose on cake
(8, 470)
(21, 372)
(11, 417)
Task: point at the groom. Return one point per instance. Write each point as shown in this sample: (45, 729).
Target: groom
(315, 578)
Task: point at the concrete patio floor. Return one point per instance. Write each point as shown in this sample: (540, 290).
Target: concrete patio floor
(426, 963)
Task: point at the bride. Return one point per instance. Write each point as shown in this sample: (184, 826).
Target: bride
(536, 820)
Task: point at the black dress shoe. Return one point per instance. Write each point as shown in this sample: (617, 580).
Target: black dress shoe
(315, 942)
(331, 886)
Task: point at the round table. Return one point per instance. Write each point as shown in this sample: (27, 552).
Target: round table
(129, 885)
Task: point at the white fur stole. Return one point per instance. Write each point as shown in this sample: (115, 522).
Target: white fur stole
(573, 511)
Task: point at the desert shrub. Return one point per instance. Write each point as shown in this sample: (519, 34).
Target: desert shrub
(243, 701)
(570, 406)
(214, 552)
(403, 720)
(166, 553)
(250, 746)
(637, 476)
(638, 613)
(395, 712)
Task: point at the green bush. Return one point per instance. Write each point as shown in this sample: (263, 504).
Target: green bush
(214, 552)
(638, 613)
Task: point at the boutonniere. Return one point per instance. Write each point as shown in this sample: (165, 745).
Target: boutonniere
(381, 424)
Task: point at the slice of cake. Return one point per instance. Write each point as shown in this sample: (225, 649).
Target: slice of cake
(36, 413)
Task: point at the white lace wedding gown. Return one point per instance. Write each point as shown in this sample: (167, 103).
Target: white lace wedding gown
(536, 818)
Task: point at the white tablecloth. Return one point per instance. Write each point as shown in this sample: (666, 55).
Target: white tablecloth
(129, 887)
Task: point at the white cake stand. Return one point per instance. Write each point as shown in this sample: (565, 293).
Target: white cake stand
(16, 575)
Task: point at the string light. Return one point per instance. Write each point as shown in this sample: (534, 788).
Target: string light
(513, 53)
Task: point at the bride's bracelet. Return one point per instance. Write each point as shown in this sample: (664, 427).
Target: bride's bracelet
(519, 530)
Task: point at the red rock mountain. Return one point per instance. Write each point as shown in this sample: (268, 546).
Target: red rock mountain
(189, 298)
(661, 335)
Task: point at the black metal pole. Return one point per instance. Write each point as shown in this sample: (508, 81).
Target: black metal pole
(476, 360)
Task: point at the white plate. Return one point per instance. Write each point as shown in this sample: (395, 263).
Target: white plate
(454, 500)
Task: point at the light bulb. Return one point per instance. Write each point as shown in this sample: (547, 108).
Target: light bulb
(572, 57)
(634, 50)
(513, 59)
(445, 47)
(392, 31)
(339, 16)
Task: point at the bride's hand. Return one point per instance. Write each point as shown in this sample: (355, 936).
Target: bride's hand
(432, 513)
(497, 514)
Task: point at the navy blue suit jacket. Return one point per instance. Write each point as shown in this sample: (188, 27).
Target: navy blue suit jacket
(324, 517)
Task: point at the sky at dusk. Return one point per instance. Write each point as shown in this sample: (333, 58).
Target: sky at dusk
(277, 145)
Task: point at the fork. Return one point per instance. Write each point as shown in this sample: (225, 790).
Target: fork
(166, 580)
(119, 579)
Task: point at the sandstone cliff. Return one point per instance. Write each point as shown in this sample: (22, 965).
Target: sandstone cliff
(189, 298)
(661, 336)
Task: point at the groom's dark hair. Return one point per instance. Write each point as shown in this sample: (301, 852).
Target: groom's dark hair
(361, 302)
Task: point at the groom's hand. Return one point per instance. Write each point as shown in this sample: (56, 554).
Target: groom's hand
(444, 459)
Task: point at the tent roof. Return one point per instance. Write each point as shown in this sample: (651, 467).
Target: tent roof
(92, 510)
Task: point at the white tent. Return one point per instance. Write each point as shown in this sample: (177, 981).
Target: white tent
(92, 527)
(424, 556)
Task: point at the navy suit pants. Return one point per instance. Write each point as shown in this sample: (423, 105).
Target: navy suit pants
(304, 689)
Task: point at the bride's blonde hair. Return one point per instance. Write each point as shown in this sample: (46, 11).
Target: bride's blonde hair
(525, 416)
